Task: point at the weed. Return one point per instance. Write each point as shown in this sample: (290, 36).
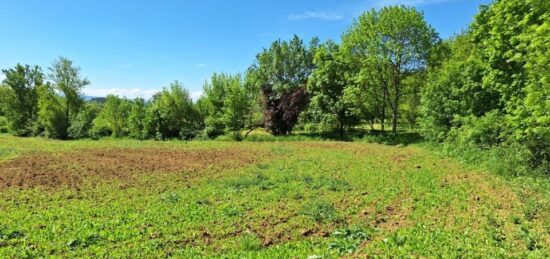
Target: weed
(347, 240)
(170, 197)
(258, 208)
(250, 242)
(532, 209)
(321, 211)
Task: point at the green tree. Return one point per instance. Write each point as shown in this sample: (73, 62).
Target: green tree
(113, 116)
(68, 81)
(136, 119)
(235, 108)
(215, 93)
(21, 100)
(389, 45)
(281, 73)
(455, 90)
(513, 39)
(171, 114)
(82, 124)
(51, 113)
(327, 86)
(228, 104)
(253, 116)
(535, 129)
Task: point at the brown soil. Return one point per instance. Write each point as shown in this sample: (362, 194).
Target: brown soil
(73, 168)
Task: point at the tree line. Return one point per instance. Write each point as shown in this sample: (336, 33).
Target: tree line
(486, 87)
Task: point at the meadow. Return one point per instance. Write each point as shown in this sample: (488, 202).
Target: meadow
(273, 199)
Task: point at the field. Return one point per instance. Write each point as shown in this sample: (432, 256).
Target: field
(125, 198)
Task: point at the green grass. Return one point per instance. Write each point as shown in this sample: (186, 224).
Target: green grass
(307, 198)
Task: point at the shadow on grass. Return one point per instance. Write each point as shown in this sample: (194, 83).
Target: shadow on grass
(401, 138)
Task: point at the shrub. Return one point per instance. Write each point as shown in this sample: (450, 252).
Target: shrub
(347, 240)
(82, 123)
(4, 126)
(321, 211)
(485, 131)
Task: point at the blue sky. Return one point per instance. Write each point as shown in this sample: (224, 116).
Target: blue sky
(134, 48)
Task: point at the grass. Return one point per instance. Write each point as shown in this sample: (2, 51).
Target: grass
(321, 199)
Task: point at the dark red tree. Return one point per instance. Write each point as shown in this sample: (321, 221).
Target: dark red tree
(281, 112)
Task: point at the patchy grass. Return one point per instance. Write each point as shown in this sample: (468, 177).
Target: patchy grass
(269, 200)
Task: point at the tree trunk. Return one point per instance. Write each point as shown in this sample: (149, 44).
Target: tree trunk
(383, 119)
(248, 132)
(397, 92)
(394, 122)
(341, 130)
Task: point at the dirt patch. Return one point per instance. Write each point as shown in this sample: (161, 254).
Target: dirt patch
(73, 168)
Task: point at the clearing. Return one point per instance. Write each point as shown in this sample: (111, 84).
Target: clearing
(125, 198)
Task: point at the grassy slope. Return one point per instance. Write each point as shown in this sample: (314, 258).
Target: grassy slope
(387, 200)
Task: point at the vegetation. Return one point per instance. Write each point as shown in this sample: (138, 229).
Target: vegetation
(265, 200)
(406, 97)
(484, 89)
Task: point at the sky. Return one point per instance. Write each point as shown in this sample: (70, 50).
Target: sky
(133, 48)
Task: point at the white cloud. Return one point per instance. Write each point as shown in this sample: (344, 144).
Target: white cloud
(320, 15)
(131, 93)
(196, 95)
(349, 11)
(201, 65)
(122, 92)
(380, 3)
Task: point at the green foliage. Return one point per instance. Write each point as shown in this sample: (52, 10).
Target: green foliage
(321, 211)
(225, 103)
(347, 240)
(327, 85)
(485, 132)
(68, 82)
(235, 108)
(51, 113)
(82, 124)
(387, 46)
(113, 117)
(213, 101)
(281, 74)
(250, 242)
(172, 114)
(285, 66)
(4, 125)
(420, 203)
(229, 105)
(136, 119)
(492, 88)
(20, 98)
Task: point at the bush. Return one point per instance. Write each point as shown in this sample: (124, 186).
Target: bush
(486, 131)
(82, 123)
(4, 125)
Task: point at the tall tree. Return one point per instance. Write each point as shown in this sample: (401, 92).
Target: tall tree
(512, 38)
(22, 105)
(172, 114)
(114, 115)
(327, 86)
(390, 44)
(454, 90)
(136, 119)
(235, 108)
(281, 72)
(51, 113)
(215, 93)
(68, 81)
